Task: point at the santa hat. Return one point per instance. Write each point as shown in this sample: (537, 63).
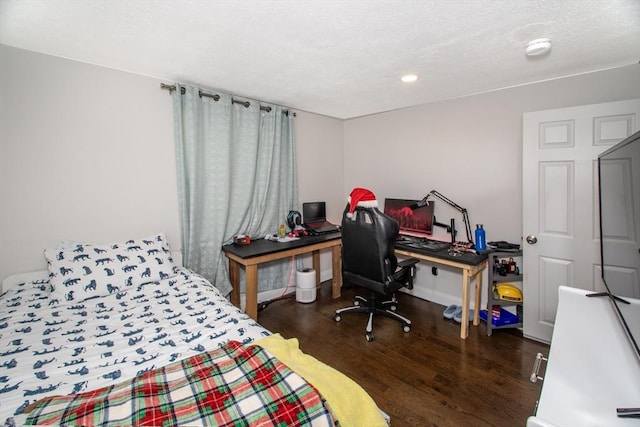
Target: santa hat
(361, 197)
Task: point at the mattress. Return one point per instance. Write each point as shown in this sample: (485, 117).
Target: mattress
(52, 346)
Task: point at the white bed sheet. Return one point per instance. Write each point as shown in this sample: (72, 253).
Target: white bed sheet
(49, 347)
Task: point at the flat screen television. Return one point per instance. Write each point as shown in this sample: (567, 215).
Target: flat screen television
(418, 224)
(619, 203)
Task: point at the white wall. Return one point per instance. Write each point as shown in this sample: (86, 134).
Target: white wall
(319, 148)
(87, 153)
(469, 149)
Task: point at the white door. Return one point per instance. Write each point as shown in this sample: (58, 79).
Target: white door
(560, 202)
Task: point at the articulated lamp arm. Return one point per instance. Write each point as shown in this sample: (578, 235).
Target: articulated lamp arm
(465, 215)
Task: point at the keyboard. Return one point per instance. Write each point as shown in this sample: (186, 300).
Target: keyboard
(422, 243)
(325, 229)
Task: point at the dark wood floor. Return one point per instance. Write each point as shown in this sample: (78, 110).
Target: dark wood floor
(427, 377)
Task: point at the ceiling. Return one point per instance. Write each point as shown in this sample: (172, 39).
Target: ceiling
(342, 59)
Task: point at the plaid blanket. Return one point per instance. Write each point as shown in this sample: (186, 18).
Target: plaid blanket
(234, 385)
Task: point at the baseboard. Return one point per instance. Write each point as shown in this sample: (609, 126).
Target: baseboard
(435, 297)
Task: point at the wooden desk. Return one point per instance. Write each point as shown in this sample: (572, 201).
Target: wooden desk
(472, 267)
(260, 251)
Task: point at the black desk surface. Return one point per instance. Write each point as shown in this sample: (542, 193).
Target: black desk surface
(468, 258)
(263, 247)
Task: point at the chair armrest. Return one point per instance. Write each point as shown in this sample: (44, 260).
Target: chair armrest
(406, 271)
(409, 262)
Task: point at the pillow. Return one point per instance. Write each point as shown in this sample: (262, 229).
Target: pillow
(86, 270)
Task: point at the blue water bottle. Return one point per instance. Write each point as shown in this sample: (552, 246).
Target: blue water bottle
(481, 238)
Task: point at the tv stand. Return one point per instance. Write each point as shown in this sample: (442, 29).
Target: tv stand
(592, 369)
(628, 412)
(607, 294)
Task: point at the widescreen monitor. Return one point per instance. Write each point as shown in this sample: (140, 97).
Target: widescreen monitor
(418, 221)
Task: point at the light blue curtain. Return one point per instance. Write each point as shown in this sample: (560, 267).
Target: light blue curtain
(236, 175)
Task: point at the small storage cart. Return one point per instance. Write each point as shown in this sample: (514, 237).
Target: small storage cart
(504, 270)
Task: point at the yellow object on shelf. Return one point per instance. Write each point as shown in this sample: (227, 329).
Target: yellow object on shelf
(507, 292)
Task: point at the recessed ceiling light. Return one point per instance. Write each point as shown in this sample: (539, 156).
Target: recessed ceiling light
(409, 78)
(538, 47)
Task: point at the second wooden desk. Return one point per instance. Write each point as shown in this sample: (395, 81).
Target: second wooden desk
(472, 268)
(261, 251)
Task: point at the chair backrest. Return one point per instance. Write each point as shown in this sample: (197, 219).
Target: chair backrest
(368, 238)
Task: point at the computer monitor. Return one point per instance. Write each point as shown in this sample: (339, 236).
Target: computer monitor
(417, 222)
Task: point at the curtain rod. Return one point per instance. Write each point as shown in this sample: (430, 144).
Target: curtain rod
(216, 98)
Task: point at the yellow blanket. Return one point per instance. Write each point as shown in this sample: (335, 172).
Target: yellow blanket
(348, 401)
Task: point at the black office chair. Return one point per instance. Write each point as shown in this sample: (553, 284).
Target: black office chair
(368, 260)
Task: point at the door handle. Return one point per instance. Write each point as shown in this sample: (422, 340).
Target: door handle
(536, 368)
(532, 240)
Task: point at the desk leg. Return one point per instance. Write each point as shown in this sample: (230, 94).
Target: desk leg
(466, 284)
(476, 309)
(336, 271)
(315, 256)
(251, 303)
(234, 278)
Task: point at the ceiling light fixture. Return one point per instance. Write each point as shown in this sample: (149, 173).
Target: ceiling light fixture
(409, 78)
(538, 47)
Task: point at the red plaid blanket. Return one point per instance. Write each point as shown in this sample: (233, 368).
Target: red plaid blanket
(232, 386)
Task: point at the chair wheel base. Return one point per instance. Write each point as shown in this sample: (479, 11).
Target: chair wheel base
(374, 307)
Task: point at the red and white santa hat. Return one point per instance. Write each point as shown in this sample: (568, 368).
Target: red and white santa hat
(361, 197)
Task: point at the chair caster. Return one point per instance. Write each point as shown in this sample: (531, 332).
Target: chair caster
(369, 336)
(337, 317)
(406, 328)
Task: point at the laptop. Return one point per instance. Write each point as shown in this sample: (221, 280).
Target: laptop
(314, 216)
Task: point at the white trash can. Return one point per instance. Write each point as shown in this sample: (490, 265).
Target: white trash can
(306, 285)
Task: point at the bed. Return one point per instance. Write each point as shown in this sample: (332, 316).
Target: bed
(120, 334)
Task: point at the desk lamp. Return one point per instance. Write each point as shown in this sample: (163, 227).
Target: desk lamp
(450, 228)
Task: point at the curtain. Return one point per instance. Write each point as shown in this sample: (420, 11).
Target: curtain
(236, 175)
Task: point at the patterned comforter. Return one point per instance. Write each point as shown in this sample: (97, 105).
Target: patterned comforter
(53, 347)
